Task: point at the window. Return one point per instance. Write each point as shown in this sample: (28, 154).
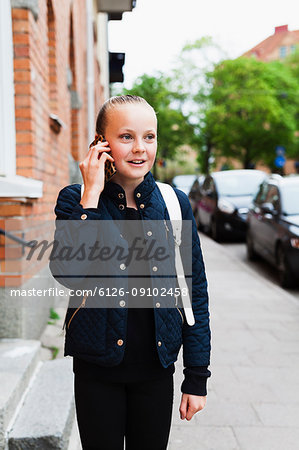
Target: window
(283, 52)
(273, 197)
(11, 185)
(262, 193)
(292, 48)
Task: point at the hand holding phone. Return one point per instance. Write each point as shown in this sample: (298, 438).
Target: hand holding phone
(110, 168)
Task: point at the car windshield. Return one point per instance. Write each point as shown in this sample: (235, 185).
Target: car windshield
(183, 180)
(239, 184)
(290, 199)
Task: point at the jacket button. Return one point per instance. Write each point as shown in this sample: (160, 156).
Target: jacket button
(149, 233)
(84, 216)
(158, 305)
(141, 205)
(122, 303)
(155, 268)
(120, 342)
(138, 195)
(121, 206)
(159, 343)
(120, 195)
(122, 266)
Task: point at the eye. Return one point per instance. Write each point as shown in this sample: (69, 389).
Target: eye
(126, 137)
(150, 136)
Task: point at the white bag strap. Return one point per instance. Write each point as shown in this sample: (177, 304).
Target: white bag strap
(175, 214)
(82, 189)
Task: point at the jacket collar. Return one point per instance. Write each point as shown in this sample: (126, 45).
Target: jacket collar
(141, 193)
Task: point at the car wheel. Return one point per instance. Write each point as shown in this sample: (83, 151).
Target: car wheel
(214, 230)
(251, 253)
(286, 279)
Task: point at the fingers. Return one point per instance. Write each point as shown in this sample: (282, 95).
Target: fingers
(191, 404)
(93, 166)
(103, 156)
(190, 412)
(183, 407)
(95, 151)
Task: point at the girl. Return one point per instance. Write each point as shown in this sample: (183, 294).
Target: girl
(123, 358)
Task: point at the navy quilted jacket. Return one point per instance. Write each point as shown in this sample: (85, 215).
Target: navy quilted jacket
(98, 334)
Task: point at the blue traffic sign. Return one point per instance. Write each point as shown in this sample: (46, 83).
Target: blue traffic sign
(280, 161)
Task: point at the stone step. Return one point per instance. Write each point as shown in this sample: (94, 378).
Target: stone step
(18, 361)
(46, 417)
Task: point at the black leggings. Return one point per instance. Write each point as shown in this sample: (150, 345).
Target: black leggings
(139, 411)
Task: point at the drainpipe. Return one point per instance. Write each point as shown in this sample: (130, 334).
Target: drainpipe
(90, 71)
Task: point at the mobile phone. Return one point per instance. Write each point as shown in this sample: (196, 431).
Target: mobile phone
(110, 168)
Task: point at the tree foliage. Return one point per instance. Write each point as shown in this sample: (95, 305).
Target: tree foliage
(292, 62)
(189, 77)
(252, 109)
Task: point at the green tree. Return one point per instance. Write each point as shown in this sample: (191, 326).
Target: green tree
(252, 109)
(292, 62)
(189, 78)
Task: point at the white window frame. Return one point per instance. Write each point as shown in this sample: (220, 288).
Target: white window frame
(11, 185)
(283, 51)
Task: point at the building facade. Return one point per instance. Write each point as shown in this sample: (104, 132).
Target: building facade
(54, 76)
(277, 46)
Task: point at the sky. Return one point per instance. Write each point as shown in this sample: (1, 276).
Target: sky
(153, 34)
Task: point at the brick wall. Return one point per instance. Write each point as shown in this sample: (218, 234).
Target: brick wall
(43, 51)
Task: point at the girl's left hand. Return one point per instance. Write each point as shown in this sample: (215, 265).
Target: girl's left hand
(190, 404)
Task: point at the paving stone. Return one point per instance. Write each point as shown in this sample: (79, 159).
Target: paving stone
(202, 438)
(239, 392)
(271, 376)
(278, 414)
(267, 438)
(224, 413)
(273, 358)
(224, 357)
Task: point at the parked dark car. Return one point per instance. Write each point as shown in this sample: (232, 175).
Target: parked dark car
(183, 182)
(273, 227)
(224, 201)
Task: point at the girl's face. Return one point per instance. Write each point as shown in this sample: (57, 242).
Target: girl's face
(131, 132)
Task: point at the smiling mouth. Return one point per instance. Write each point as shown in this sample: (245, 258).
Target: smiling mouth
(137, 163)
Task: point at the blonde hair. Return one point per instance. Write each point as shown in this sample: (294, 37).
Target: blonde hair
(113, 102)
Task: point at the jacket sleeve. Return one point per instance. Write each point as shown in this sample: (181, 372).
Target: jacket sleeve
(74, 225)
(195, 381)
(196, 338)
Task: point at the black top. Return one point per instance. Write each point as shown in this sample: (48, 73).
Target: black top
(141, 360)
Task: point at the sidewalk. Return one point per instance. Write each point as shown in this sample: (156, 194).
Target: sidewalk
(253, 393)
